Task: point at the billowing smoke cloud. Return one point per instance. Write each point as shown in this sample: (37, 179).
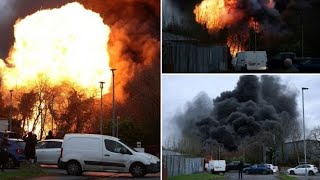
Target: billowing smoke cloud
(255, 105)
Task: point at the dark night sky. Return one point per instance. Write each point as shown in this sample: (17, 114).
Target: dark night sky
(280, 33)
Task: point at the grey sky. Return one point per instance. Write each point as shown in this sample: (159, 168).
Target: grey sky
(177, 90)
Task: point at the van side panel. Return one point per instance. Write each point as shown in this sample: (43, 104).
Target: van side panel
(85, 150)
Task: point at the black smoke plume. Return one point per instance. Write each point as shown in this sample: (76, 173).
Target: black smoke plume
(255, 105)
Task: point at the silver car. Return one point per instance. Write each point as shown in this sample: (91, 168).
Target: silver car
(48, 151)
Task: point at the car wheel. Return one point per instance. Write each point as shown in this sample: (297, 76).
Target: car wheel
(11, 163)
(264, 172)
(291, 172)
(311, 173)
(137, 170)
(246, 172)
(74, 168)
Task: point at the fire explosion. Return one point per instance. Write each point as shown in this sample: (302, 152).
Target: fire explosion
(60, 53)
(236, 16)
(216, 14)
(65, 44)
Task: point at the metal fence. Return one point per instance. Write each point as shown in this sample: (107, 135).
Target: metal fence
(178, 164)
(182, 57)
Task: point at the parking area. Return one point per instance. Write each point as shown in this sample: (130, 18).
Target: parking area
(301, 177)
(60, 174)
(234, 176)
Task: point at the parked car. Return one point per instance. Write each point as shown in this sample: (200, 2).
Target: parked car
(234, 165)
(48, 151)
(300, 169)
(16, 152)
(277, 61)
(217, 166)
(95, 152)
(308, 65)
(274, 168)
(258, 169)
(10, 134)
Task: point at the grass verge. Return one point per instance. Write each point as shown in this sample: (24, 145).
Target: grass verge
(201, 176)
(23, 173)
(286, 177)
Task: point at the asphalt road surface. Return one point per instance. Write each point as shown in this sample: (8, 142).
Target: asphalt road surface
(234, 176)
(61, 174)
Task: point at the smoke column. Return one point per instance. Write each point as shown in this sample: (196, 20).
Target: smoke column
(255, 105)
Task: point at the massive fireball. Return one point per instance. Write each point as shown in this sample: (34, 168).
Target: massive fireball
(216, 14)
(64, 44)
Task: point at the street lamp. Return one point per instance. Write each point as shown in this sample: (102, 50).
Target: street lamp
(113, 110)
(118, 117)
(101, 87)
(10, 116)
(304, 135)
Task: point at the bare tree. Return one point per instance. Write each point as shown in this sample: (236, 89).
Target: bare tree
(315, 135)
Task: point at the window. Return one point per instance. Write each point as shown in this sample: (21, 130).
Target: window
(48, 144)
(115, 147)
(41, 145)
(54, 144)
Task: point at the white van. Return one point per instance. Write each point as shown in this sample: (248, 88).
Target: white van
(250, 60)
(94, 152)
(217, 166)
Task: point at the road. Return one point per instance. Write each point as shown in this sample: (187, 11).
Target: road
(234, 176)
(60, 174)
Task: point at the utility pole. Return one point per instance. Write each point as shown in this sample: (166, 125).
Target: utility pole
(118, 117)
(10, 116)
(304, 136)
(113, 108)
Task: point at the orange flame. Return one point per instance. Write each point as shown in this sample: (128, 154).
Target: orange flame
(236, 43)
(64, 44)
(254, 25)
(271, 4)
(216, 14)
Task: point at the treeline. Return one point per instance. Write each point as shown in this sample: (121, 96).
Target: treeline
(67, 108)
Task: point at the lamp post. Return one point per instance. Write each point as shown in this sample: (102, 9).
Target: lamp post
(10, 116)
(118, 117)
(113, 110)
(101, 87)
(304, 135)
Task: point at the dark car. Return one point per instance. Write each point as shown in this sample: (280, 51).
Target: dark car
(309, 65)
(258, 169)
(234, 165)
(10, 134)
(277, 61)
(16, 152)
